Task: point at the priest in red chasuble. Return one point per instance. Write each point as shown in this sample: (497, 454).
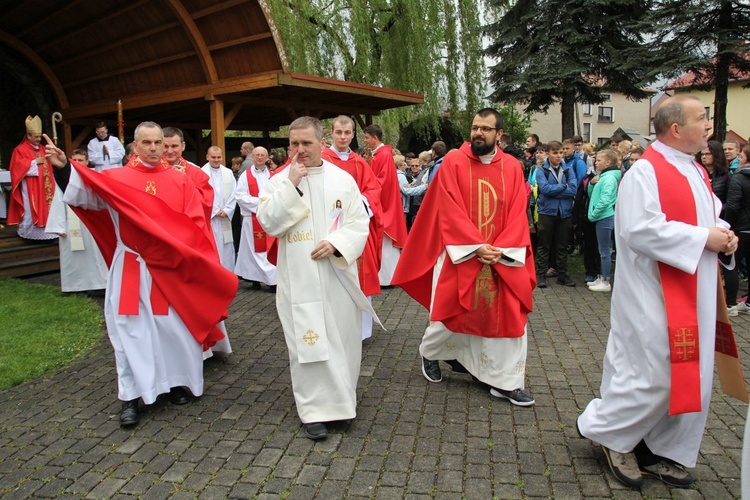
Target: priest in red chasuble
(394, 220)
(32, 185)
(166, 290)
(468, 260)
(666, 320)
(341, 155)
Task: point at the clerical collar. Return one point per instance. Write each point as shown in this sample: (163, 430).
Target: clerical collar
(487, 159)
(259, 169)
(343, 155)
(381, 145)
(103, 140)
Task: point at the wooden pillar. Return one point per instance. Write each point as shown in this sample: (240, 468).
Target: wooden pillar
(200, 148)
(217, 123)
(67, 137)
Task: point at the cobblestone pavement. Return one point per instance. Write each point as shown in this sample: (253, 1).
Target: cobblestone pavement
(411, 439)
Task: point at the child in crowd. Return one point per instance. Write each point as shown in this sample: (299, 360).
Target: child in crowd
(603, 193)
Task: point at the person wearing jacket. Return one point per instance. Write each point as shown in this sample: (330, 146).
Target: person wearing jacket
(737, 214)
(603, 194)
(556, 188)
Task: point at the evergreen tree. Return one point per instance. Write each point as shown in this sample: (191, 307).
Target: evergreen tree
(709, 38)
(567, 51)
(432, 47)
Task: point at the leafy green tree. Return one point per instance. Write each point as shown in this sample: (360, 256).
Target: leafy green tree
(432, 47)
(567, 51)
(707, 37)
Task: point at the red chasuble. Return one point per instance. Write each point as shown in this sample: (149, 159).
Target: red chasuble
(471, 204)
(369, 264)
(261, 240)
(41, 189)
(162, 218)
(394, 221)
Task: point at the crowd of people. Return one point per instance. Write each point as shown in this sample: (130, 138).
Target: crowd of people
(325, 228)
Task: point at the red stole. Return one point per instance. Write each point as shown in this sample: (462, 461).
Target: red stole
(681, 295)
(260, 238)
(471, 203)
(369, 264)
(41, 189)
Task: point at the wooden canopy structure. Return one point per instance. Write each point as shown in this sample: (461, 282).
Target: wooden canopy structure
(194, 64)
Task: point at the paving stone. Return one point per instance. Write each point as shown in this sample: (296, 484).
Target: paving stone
(411, 439)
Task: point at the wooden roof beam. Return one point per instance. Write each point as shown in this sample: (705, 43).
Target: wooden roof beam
(284, 103)
(240, 41)
(117, 43)
(217, 8)
(175, 94)
(129, 69)
(85, 26)
(196, 38)
(39, 63)
(46, 15)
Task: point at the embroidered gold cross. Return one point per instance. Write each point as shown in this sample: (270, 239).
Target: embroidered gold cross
(310, 337)
(260, 234)
(684, 344)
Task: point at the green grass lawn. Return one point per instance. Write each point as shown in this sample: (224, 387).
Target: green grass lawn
(42, 329)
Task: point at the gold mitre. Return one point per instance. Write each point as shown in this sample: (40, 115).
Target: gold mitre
(33, 125)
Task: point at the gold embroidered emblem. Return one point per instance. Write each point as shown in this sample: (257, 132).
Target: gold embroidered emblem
(75, 233)
(310, 337)
(487, 208)
(520, 367)
(684, 344)
(485, 287)
(483, 359)
(450, 345)
(260, 234)
(151, 187)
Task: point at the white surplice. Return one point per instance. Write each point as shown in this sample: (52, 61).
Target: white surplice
(323, 390)
(388, 262)
(223, 183)
(252, 265)
(153, 353)
(636, 384)
(82, 266)
(114, 156)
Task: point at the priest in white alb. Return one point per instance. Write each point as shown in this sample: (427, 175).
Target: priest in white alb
(659, 363)
(315, 210)
(82, 266)
(252, 259)
(222, 181)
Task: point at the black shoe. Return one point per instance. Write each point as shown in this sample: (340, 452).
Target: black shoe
(272, 288)
(456, 366)
(315, 431)
(541, 281)
(431, 370)
(256, 285)
(516, 396)
(129, 413)
(669, 473)
(178, 396)
(565, 280)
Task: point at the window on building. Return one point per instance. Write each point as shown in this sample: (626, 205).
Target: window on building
(588, 109)
(586, 132)
(606, 97)
(602, 141)
(606, 114)
(708, 112)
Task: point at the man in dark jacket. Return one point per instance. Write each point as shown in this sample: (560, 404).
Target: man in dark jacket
(556, 184)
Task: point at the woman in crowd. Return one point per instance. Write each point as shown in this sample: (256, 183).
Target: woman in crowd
(713, 160)
(603, 195)
(736, 213)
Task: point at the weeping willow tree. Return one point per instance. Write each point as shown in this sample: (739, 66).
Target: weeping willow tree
(431, 47)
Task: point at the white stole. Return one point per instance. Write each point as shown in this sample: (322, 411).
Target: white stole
(307, 300)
